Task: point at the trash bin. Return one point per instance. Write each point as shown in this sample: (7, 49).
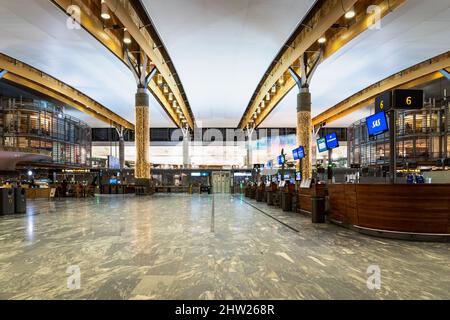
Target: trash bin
(20, 200)
(286, 201)
(6, 201)
(318, 209)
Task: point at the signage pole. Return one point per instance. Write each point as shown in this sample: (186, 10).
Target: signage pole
(392, 147)
(330, 164)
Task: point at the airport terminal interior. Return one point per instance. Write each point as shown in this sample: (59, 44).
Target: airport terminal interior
(224, 149)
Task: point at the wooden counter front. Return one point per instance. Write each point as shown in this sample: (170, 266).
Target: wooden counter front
(38, 193)
(401, 208)
(304, 203)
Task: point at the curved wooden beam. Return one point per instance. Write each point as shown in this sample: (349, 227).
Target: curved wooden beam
(148, 42)
(31, 78)
(414, 76)
(325, 18)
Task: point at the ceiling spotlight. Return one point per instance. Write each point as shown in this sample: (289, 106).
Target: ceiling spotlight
(350, 14)
(322, 40)
(174, 104)
(160, 79)
(166, 88)
(274, 89)
(171, 96)
(105, 11)
(268, 96)
(255, 116)
(126, 36)
(281, 81)
(263, 104)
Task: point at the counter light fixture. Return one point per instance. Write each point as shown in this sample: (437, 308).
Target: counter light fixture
(126, 36)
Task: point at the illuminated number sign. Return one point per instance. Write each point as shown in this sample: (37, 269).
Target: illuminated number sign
(322, 144)
(377, 124)
(408, 99)
(383, 102)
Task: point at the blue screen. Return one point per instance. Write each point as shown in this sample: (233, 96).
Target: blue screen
(281, 160)
(322, 144)
(332, 141)
(301, 152)
(377, 124)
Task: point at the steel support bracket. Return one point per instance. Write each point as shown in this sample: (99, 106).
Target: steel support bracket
(445, 73)
(3, 73)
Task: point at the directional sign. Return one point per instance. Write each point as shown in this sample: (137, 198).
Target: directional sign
(383, 102)
(408, 99)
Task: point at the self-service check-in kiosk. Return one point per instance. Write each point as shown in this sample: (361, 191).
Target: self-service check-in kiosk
(271, 192)
(260, 192)
(287, 191)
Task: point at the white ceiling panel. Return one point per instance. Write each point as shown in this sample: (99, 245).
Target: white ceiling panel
(417, 31)
(221, 49)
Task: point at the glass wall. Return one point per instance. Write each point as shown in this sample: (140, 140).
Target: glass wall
(423, 136)
(42, 126)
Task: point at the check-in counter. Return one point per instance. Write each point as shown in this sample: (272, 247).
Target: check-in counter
(306, 195)
(271, 191)
(38, 193)
(397, 211)
(287, 192)
(260, 192)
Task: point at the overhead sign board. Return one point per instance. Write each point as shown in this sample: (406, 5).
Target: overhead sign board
(383, 102)
(401, 99)
(408, 99)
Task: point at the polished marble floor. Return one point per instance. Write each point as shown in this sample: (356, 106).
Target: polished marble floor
(200, 247)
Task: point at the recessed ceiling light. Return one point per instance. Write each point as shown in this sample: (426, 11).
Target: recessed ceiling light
(350, 14)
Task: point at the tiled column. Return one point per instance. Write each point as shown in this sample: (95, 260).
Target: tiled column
(142, 132)
(304, 130)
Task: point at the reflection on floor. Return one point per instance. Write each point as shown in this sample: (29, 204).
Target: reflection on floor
(177, 247)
